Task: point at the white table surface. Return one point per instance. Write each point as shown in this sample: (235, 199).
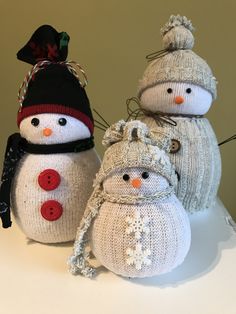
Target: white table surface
(34, 278)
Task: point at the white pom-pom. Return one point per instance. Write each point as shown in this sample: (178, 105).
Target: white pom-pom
(176, 20)
(177, 33)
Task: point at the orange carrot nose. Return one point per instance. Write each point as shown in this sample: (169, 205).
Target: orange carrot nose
(179, 100)
(47, 132)
(136, 183)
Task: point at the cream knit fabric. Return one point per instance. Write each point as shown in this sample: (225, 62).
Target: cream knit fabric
(198, 161)
(133, 222)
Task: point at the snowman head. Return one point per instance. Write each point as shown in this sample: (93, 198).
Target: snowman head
(134, 181)
(53, 128)
(177, 98)
(54, 106)
(178, 80)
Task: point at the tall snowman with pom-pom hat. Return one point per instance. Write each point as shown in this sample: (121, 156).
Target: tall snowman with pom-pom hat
(175, 92)
(49, 167)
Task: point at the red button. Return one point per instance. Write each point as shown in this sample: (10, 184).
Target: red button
(49, 179)
(51, 210)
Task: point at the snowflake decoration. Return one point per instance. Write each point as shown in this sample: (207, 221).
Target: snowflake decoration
(138, 257)
(137, 225)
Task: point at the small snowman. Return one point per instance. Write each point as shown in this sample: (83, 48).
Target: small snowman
(134, 223)
(50, 166)
(176, 91)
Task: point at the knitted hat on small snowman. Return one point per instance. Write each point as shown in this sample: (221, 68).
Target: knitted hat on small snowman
(130, 146)
(133, 145)
(176, 63)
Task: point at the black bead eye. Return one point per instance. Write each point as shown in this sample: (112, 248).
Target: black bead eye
(126, 177)
(188, 90)
(35, 121)
(62, 121)
(145, 175)
(169, 90)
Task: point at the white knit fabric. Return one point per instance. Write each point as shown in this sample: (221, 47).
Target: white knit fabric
(115, 184)
(71, 131)
(159, 97)
(167, 241)
(77, 171)
(198, 161)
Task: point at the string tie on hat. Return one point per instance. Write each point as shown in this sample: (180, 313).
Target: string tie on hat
(71, 65)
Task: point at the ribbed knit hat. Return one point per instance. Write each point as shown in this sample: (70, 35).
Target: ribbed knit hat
(178, 63)
(53, 85)
(131, 144)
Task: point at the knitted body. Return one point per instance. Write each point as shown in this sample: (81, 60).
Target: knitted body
(76, 171)
(198, 161)
(168, 238)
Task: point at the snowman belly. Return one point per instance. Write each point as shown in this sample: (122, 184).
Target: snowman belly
(164, 241)
(50, 192)
(197, 161)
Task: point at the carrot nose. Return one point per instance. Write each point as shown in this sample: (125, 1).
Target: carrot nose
(179, 100)
(136, 183)
(47, 132)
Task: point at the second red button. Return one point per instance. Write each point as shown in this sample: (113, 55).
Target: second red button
(51, 210)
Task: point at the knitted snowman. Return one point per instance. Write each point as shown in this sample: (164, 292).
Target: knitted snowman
(134, 223)
(176, 91)
(49, 167)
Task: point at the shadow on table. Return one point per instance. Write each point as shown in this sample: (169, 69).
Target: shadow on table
(64, 244)
(210, 236)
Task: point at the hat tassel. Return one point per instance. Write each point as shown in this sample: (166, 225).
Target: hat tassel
(79, 260)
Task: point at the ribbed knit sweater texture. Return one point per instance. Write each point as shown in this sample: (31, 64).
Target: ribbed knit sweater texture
(198, 161)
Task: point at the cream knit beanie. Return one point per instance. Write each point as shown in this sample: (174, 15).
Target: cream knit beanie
(178, 63)
(140, 149)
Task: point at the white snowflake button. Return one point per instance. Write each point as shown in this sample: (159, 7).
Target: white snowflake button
(138, 256)
(137, 225)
